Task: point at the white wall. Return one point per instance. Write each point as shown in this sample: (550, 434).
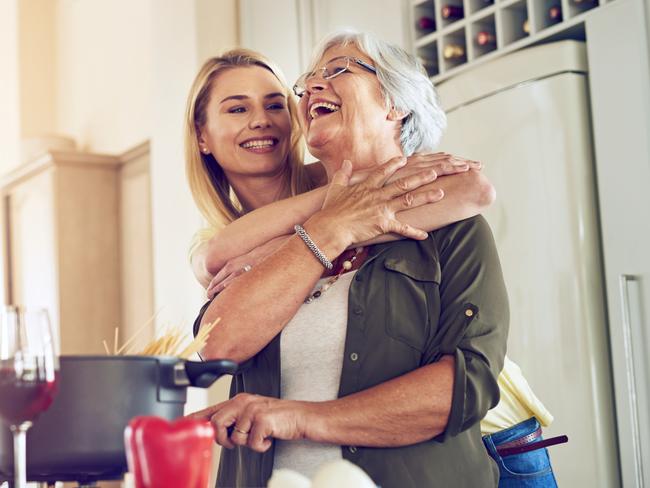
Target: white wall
(272, 28)
(10, 112)
(384, 18)
(217, 27)
(37, 45)
(287, 30)
(103, 73)
(9, 91)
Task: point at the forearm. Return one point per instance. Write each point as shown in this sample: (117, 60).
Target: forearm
(466, 195)
(258, 227)
(406, 410)
(199, 267)
(257, 305)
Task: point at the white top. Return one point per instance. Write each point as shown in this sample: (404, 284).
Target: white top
(518, 402)
(311, 356)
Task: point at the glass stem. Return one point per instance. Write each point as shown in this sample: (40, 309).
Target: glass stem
(20, 454)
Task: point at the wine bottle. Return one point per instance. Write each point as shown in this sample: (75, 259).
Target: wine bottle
(453, 51)
(526, 26)
(555, 13)
(452, 12)
(485, 38)
(426, 23)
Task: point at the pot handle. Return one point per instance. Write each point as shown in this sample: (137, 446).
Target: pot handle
(203, 373)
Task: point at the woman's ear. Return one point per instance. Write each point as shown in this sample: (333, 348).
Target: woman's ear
(203, 146)
(396, 115)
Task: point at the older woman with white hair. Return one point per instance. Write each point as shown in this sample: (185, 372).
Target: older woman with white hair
(385, 355)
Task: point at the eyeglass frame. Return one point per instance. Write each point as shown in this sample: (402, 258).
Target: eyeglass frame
(307, 76)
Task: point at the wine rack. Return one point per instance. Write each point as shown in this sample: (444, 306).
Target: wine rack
(452, 35)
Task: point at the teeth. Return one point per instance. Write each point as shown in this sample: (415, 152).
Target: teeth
(258, 143)
(313, 110)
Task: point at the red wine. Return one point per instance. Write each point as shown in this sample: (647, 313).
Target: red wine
(426, 23)
(485, 38)
(23, 400)
(452, 12)
(555, 13)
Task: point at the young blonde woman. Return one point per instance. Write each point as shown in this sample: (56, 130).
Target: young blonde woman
(244, 161)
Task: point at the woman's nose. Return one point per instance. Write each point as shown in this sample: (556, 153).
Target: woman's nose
(316, 83)
(260, 120)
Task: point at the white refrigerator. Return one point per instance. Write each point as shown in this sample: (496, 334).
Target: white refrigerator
(526, 116)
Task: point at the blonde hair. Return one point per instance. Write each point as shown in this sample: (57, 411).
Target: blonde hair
(208, 183)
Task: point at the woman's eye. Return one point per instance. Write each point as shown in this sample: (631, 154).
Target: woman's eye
(236, 110)
(276, 106)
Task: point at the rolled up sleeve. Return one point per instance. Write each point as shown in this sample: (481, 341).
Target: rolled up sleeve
(473, 322)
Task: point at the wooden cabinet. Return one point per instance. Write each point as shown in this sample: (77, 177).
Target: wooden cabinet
(64, 244)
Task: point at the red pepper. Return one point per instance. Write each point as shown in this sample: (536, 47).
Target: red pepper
(163, 454)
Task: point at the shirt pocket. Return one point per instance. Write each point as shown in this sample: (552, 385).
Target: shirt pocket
(409, 287)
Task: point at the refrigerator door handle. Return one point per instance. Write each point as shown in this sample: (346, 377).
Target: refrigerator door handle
(623, 282)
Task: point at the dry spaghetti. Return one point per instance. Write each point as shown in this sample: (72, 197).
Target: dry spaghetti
(170, 343)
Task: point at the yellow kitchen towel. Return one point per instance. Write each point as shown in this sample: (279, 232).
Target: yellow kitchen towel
(517, 403)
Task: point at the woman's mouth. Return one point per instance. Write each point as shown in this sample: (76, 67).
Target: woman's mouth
(261, 145)
(320, 109)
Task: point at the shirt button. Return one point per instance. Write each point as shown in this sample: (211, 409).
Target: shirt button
(469, 312)
(358, 311)
(354, 356)
(352, 449)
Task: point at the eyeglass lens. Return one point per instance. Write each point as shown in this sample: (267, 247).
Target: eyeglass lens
(329, 71)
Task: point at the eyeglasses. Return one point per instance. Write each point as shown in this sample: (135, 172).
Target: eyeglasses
(332, 69)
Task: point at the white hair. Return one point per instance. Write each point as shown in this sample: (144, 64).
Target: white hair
(405, 86)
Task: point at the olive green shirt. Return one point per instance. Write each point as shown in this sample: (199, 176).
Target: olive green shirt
(410, 303)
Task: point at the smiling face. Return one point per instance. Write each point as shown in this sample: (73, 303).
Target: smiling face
(248, 125)
(346, 117)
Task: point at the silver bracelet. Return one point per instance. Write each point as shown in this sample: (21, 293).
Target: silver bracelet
(312, 246)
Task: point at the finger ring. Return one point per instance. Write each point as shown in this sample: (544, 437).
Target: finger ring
(247, 267)
(240, 431)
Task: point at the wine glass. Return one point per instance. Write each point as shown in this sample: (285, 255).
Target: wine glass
(29, 370)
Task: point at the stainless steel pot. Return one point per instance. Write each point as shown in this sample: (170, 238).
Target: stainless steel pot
(81, 436)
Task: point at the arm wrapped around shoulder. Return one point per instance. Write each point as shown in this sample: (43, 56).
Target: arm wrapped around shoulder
(474, 317)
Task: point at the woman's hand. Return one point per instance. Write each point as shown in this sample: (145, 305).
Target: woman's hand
(358, 213)
(240, 264)
(253, 420)
(444, 164)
